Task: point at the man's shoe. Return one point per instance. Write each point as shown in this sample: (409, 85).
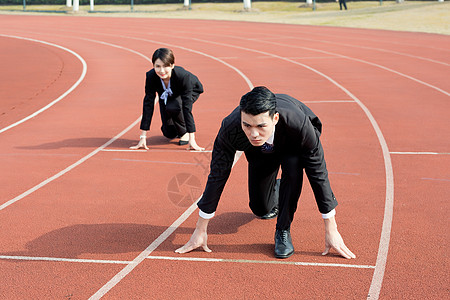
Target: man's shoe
(182, 143)
(271, 214)
(283, 244)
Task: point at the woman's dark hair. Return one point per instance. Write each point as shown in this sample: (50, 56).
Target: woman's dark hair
(165, 55)
(259, 100)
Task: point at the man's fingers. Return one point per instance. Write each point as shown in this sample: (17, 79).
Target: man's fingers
(345, 252)
(342, 250)
(327, 249)
(189, 247)
(184, 249)
(348, 252)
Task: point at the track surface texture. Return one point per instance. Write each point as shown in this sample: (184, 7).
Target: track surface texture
(83, 217)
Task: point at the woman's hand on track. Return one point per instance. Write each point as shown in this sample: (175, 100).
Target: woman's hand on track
(194, 146)
(142, 144)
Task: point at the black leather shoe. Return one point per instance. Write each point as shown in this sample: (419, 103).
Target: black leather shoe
(283, 244)
(182, 143)
(271, 214)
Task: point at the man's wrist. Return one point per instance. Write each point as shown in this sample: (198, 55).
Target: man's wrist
(329, 215)
(330, 224)
(206, 216)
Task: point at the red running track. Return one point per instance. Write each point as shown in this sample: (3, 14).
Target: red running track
(82, 217)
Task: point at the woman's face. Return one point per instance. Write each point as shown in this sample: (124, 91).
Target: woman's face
(164, 72)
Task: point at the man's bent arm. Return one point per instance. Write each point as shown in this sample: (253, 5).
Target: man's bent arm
(334, 240)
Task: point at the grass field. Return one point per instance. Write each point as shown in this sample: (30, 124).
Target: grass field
(417, 16)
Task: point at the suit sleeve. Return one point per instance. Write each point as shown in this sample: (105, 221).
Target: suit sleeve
(220, 169)
(315, 167)
(149, 103)
(191, 88)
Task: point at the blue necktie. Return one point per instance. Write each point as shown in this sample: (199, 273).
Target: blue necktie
(267, 148)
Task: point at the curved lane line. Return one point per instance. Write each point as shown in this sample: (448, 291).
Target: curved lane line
(161, 238)
(83, 74)
(390, 42)
(80, 161)
(328, 53)
(175, 46)
(155, 244)
(143, 255)
(273, 37)
(377, 279)
(72, 166)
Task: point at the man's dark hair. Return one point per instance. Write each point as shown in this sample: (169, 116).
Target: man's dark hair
(258, 101)
(165, 55)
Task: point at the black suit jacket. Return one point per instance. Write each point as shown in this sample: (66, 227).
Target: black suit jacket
(297, 132)
(183, 84)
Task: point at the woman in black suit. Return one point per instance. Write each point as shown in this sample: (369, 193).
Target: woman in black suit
(177, 89)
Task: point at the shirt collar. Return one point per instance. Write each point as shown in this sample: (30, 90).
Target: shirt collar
(272, 137)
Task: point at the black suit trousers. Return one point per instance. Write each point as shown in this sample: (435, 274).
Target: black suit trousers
(172, 118)
(263, 169)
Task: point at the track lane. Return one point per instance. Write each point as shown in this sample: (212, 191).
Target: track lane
(277, 85)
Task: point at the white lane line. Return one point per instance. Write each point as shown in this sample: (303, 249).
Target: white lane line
(83, 159)
(387, 220)
(421, 153)
(61, 259)
(368, 48)
(278, 37)
(325, 52)
(72, 166)
(83, 74)
(119, 276)
(144, 254)
(277, 262)
(247, 80)
(141, 257)
(435, 179)
(377, 279)
(125, 271)
(155, 150)
(40, 154)
(157, 161)
(330, 101)
(124, 150)
(375, 65)
(190, 259)
(119, 47)
(343, 173)
(59, 174)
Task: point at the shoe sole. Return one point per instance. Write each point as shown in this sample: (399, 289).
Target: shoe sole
(284, 256)
(267, 218)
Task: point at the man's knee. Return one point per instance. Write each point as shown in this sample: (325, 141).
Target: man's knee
(260, 209)
(265, 203)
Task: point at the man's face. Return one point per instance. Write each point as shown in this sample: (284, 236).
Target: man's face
(259, 128)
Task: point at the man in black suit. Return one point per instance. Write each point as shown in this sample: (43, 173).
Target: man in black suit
(273, 131)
